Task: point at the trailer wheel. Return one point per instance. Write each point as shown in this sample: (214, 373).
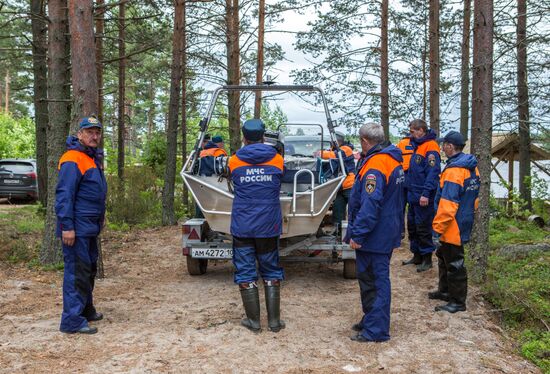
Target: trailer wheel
(349, 269)
(196, 266)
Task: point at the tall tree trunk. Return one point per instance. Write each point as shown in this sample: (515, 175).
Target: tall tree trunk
(168, 214)
(465, 71)
(424, 69)
(233, 72)
(121, 89)
(185, 195)
(40, 70)
(482, 123)
(384, 71)
(260, 60)
(434, 65)
(83, 67)
(99, 30)
(59, 109)
(7, 93)
(523, 106)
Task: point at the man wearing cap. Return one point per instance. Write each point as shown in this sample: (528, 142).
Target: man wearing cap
(421, 183)
(256, 224)
(80, 209)
(374, 221)
(455, 204)
(207, 157)
(342, 197)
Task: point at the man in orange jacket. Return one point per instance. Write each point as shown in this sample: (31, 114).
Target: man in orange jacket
(407, 150)
(455, 202)
(342, 197)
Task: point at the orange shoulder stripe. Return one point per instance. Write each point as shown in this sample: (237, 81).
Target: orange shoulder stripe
(347, 150)
(383, 163)
(82, 160)
(455, 175)
(327, 154)
(235, 162)
(429, 146)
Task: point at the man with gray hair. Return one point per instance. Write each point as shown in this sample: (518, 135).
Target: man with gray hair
(374, 229)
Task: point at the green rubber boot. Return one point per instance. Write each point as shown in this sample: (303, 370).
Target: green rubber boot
(251, 303)
(273, 305)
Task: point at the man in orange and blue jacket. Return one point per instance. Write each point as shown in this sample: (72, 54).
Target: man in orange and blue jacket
(407, 150)
(374, 229)
(256, 224)
(80, 208)
(207, 156)
(342, 197)
(421, 183)
(455, 204)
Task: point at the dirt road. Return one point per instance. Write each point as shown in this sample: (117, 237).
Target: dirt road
(160, 319)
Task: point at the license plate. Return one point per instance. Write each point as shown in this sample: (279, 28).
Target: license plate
(11, 181)
(212, 252)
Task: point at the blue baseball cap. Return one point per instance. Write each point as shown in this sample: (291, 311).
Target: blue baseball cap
(88, 122)
(453, 137)
(217, 139)
(253, 129)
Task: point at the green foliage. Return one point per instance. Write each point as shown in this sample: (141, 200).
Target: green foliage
(20, 234)
(504, 231)
(536, 347)
(519, 286)
(17, 138)
(154, 153)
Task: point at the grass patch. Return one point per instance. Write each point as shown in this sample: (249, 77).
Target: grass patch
(20, 234)
(519, 286)
(504, 231)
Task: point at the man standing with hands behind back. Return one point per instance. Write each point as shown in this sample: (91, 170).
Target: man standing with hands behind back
(374, 229)
(80, 209)
(421, 183)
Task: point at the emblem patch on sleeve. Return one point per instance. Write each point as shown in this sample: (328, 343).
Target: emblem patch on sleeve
(370, 183)
(431, 160)
(418, 159)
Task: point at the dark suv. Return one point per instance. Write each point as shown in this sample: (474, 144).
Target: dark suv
(18, 179)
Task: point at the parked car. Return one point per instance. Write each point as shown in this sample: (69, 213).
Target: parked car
(305, 145)
(18, 179)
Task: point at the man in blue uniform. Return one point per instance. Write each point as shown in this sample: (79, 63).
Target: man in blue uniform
(80, 209)
(374, 229)
(421, 182)
(256, 224)
(455, 205)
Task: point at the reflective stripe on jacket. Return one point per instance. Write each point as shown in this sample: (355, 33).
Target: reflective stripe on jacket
(81, 190)
(349, 164)
(424, 168)
(207, 158)
(376, 201)
(256, 172)
(407, 149)
(457, 199)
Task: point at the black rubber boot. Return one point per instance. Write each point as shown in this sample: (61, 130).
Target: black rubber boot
(426, 263)
(273, 305)
(438, 295)
(251, 303)
(451, 307)
(415, 260)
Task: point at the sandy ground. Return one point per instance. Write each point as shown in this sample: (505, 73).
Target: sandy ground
(160, 319)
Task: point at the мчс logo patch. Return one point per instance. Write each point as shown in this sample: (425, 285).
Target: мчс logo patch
(370, 184)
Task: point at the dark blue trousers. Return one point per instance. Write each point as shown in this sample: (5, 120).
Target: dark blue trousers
(419, 225)
(78, 283)
(246, 251)
(373, 274)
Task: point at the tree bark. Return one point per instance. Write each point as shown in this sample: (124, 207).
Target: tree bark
(260, 59)
(40, 70)
(465, 71)
(83, 67)
(121, 90)
(434, 65)
(99, 30)
(523, 106)
(384, 71)
(168, 214)
(482, 123)
(185, 194)
(59, 110)
(233, 73)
